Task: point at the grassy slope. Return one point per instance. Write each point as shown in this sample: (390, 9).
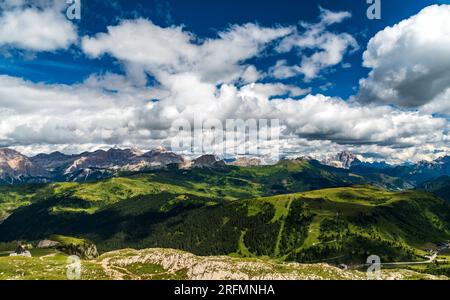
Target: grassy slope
(151, 264)
(169, 211)
(46, 264)
(230, 211)
(228, 183)
(13, 197)
(351, 222)
(265, 211)
(439, 186)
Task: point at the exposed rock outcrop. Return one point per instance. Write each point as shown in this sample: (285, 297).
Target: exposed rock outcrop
(207, 161)
(246, 162)
(85, 251)
(75, 246)
(189, 266)
(47, 244)
(15, 167)
(342, 160)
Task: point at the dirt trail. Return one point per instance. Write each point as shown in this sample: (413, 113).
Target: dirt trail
(112, 272)
(48, 255)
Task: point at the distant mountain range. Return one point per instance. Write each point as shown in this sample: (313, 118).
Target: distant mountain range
(297, 210)
(16, 168)
(342, 160)
(413, 174)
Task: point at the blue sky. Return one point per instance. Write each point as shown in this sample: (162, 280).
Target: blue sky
(205, 18)
(104, 69)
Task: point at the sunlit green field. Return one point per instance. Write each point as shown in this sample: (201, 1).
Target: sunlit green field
(290, 212)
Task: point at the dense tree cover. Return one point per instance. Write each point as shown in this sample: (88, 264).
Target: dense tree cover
(296, 227)
(220, 211)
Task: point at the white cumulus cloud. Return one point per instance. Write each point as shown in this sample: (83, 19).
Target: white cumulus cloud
(34, 28)
(410, 63)
(204, 78)
(328, 48)
(172, 50)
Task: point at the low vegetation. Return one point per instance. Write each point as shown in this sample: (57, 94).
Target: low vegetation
(293, 211)
(169, 264)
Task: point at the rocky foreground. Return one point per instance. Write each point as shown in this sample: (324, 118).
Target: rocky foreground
(175, 264)
(151, 264)
(179, 264)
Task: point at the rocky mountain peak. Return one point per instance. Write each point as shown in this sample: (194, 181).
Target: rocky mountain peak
(14, 165)
(6, 153)
(347, 159)
(342, 160)
(246, 162)
(207, 161)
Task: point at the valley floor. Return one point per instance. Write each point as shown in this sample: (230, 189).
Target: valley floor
(169, 264)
